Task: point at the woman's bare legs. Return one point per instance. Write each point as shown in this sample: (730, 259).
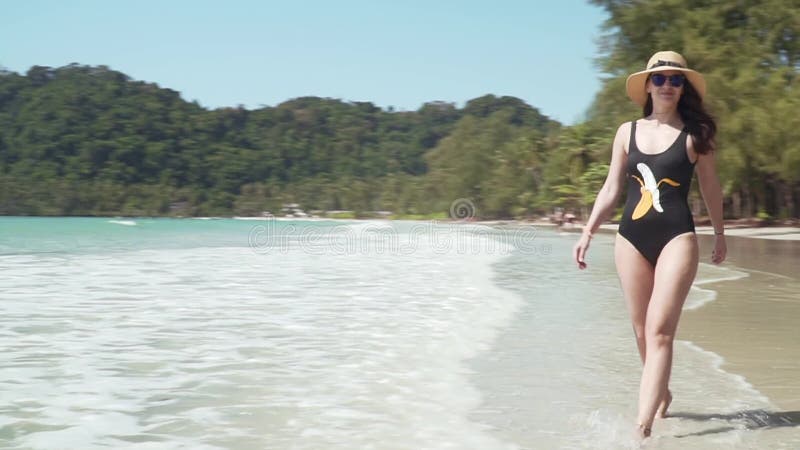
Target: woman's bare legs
(674, 274)
(637, 278)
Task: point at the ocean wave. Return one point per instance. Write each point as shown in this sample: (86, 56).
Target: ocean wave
(128, 223)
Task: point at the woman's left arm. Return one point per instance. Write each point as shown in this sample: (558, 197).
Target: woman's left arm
(712, 195)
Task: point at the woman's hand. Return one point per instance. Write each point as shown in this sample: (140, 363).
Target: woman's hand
(720, 249)
(580, 248)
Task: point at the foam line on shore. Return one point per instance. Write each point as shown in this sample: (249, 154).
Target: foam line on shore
(703, 296)
(717, 361)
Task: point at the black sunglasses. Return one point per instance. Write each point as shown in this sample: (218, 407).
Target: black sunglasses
(659, 79)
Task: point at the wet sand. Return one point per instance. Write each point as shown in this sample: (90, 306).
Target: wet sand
(754, 322)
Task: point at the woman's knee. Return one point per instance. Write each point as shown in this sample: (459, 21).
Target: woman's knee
(659, 335)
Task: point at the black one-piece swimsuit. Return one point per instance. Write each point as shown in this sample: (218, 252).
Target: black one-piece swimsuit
(656, 209)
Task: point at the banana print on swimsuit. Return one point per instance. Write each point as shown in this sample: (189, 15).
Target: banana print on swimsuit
(649, 190)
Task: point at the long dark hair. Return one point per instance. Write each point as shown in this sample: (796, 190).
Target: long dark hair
(698, 121)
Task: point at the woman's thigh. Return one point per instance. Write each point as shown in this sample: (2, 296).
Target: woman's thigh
(636, 277)
(674, 275)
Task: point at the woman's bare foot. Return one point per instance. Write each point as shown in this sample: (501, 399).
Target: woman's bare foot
(662, 409)
(642, 431)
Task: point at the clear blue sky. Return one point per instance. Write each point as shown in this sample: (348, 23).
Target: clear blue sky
(254, 53)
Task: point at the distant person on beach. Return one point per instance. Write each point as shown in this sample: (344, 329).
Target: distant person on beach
(655, 251)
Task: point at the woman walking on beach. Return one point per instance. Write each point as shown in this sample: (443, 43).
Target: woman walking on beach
(655, 251)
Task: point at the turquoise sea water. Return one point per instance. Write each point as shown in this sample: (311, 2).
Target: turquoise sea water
(273, 334)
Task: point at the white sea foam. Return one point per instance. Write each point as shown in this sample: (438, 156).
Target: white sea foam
(740, 382)
(368, 225)
(250, 218)
(769, 274)
(129, 223)
(709, 274)
(229, 348)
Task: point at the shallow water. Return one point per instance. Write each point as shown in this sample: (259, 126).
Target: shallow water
(142, 333)
(565, 372)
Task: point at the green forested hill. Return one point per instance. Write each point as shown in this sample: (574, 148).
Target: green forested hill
(89, 140)
(82, 140)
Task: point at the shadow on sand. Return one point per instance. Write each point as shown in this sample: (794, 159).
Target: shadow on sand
(752, 419)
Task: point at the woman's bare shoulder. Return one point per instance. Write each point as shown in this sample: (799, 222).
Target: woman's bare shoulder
(623, 135)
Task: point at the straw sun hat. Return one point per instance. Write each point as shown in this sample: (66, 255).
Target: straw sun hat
(662, 62)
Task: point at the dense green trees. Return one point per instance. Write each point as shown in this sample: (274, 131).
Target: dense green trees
(81, 140)
(89, 140)
(750, 54)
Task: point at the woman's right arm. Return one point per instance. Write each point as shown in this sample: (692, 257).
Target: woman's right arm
(607, 197)
(609, 194)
